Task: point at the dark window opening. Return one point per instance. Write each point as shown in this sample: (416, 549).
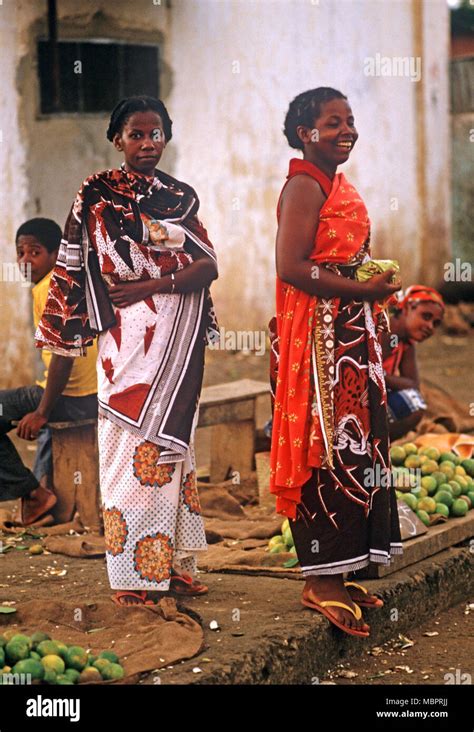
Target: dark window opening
(94, 76)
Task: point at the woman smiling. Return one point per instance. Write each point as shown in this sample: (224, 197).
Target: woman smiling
(329, 435)
(134, 266)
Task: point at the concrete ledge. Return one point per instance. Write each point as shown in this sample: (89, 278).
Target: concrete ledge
(283, 643)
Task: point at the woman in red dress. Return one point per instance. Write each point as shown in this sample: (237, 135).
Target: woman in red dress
(330, 452)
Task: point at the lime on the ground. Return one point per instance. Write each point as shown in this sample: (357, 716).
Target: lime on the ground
(73, 674)
(447, 469)
(29, 666)
(16, 650)
(113, 671)
(90, 674)
(54, 663)
(275, 540)
(76, 657)
(110, 656)
(410, 448)
(38, 637)
(47, 648)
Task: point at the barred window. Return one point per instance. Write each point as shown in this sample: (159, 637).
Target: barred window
(93, 75)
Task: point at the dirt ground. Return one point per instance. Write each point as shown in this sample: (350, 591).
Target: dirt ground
(263, 601)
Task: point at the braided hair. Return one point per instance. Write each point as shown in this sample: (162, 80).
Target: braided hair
(124, 110)
(305, 109)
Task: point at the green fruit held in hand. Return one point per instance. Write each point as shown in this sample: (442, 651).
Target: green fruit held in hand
(54, 663)
(76, 657)
(112, 672)
(459, 508)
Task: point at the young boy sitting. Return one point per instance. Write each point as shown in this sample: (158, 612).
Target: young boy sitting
(67, 391)
(415, 318)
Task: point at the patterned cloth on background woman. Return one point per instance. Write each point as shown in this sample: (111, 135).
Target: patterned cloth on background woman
(150, 364)
(330, 452)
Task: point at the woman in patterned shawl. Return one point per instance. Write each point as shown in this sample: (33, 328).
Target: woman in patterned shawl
(134, 266)
(329, 458)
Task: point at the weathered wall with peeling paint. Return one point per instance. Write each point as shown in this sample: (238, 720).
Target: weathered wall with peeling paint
(229, 71)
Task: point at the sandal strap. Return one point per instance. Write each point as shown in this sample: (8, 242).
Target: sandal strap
(358, 587)
(357, 613)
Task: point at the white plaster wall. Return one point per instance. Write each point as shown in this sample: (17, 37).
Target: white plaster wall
(240, 62)
(230, 69)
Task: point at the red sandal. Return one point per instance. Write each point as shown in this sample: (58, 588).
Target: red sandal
(140, 595)
(183, 584)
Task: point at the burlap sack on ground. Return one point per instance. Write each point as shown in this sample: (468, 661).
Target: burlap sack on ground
(145, 638)
(443, 410)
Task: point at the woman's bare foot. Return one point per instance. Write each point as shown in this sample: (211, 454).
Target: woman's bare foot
(331, 587)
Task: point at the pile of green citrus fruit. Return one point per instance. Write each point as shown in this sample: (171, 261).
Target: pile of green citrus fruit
(432, 482)
(282, 542)
(53, 662)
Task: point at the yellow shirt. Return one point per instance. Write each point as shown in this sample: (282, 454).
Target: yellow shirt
(83, 378)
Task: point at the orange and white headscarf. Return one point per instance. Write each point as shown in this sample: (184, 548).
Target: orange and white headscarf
(420, 293)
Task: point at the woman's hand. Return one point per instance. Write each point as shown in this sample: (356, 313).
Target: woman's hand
(128, 293)
(379, 287)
